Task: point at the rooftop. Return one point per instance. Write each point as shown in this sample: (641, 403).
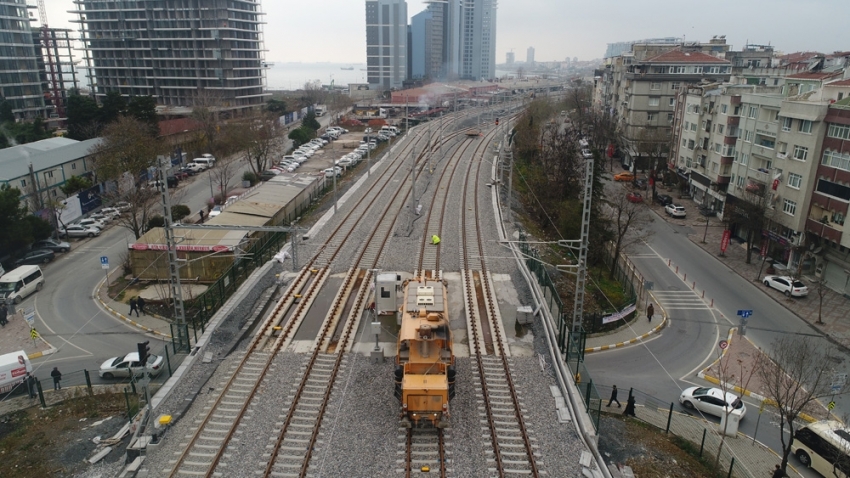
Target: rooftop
(43, 155)
(679, 56)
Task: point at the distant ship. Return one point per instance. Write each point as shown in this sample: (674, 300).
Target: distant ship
(347, 68)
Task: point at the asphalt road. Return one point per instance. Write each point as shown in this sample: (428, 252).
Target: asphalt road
(668, 363)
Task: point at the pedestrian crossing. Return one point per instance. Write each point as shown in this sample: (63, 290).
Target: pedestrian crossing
(679, 300)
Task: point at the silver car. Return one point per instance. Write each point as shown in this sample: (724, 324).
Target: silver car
(122, 366)
(76, 230)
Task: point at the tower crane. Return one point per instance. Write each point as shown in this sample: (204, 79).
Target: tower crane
(48, 42)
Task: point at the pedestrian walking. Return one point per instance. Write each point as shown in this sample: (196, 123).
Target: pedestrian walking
(134, 304)
(614, 398)
(777, 472)
(57, 376)
(141, 304)
(630, 406)
(4, 312)
(201, 213)
(30, 380)
(650, 310)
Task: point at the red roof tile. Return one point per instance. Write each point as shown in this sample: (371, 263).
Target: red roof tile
(178, 125)
(839, 83)
(679, 56)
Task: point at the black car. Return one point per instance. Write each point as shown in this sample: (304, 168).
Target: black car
(266, 175)
(663, 199)
(52, 244)
(38, 256)
(188, 171)
(639, 184)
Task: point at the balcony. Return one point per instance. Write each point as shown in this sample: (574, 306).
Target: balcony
(733, 120)
(827, 231)
(723, 179)
(726, 160)
(761, 176)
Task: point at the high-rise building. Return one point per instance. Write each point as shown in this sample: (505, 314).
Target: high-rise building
(479, 39)
(510, 58)
(529, 55)
(420, 45)
(447, 37)
(21, 83)
(176, 52)
(386, 43)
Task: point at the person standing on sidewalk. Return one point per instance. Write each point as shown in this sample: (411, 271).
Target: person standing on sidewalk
(777, 472)
(650, 311)
(614, 398)
(57, 376)
(30, 381)
(4, 312)
(134, 306)
(141, 304)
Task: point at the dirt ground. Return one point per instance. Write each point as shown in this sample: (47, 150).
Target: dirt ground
(648, 451)
(36, 442)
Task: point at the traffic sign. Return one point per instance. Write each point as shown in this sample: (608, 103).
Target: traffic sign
(723, 344)
(745, 313)
(33, 334)
(104, 262)
(830, 406)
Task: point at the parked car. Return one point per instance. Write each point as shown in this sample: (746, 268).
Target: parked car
(639, 184)
(185, 170)
(711, 401)
(215, 211)
(663, 199)
(196, 167)
(624, 176)
(128, 364)
(111, 211)
(634, 197)
(586, 154)
(34, 257)
(268, 174)
(89, 222)
(75, 230)
(787, 285)
(122, 206)
(104, 218)
(329, 173)
(675, 210)
(52, 244)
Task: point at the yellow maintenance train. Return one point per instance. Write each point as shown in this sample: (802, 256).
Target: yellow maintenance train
(425, 363)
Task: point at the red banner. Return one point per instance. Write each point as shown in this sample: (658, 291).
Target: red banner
(139, 246)
(724, 241)
(763, 251)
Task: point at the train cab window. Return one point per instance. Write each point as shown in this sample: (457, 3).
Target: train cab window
(385, 294)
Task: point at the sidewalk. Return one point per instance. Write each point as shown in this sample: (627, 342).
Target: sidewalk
(636, 331)
(16, 336)
(150, 323)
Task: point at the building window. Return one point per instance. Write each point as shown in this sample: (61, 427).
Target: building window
(801, 153)
(675, 86)
(782, 148)
(693, 126)
(748, 136)
(794, 180)
(689, 163)
(717, 148)
(786, 124)
(839, 131)
(672, 102)
(833, 189)
(48, 174)
(805, 126)
(73, 165)
(650, 116)
(754, 112)
(691, 144)
(654, 101)
(789, 207)
(740, 182)
(23, 183)
(714, 70)
(684, 143)
(655, 86)
(669, 117)
(835, 159)
(723, 109)
(745, 159)
(687, 125)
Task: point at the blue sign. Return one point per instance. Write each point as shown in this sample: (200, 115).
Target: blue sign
(104, 262)
(745, 313)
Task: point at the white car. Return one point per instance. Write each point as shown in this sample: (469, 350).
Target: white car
(124, 365)
(115, 213)
(89, 222)
(123, 206)
(586, 154)
(675, 210)
(75, 230)
(787, 285)
(215, 211)
(307, 152)
(329, 173)
(104, 218)
(712, 401)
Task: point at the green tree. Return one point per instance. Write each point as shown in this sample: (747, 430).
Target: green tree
(143, 108)
(74, 184)
(309, 121)
(179, 211)
(114, 105)
(156, 221)
(301, 135)
(83, 116)
(6, 114)
(276, 106)
(18, 228)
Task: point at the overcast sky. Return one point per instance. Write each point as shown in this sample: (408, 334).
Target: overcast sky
(334, 30)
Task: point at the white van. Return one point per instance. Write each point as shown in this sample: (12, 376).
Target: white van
(13, 370)
(207, 161)
(16, 284)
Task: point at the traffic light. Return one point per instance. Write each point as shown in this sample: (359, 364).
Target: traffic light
(144, 351)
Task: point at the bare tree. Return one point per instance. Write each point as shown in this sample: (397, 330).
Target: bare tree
(820, 289)
(264, 142)
(749, 210)
(653, 144)
(794, 375)
(628, 222)
(314, 94)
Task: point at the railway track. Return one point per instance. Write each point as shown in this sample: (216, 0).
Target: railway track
(512, 449)
(204, 450)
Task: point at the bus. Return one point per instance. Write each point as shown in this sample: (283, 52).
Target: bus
(824, 446)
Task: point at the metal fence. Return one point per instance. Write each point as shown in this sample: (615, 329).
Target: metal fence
(705, 436)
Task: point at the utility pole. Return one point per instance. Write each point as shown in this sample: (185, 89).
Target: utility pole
(413, 179)
(181, 338)
(581, 274)
(294, 240)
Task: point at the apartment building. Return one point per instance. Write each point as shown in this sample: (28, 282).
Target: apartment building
(478, 58)
(21, 82)
(176, 52)
(386, 43)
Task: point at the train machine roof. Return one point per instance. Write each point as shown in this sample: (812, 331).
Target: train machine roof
(425, 363)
